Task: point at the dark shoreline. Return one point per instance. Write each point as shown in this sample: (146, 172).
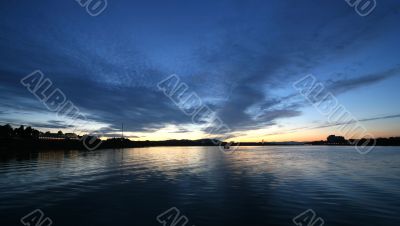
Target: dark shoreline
(16, 145)
(28, 139)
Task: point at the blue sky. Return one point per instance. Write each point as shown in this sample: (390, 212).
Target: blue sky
(240, 57)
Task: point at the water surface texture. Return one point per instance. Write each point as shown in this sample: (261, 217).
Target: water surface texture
(252, 186)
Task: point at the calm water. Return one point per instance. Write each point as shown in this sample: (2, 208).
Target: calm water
(253, 186)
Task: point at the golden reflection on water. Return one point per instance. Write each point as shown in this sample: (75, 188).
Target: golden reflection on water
(169, 161)
(57, 155)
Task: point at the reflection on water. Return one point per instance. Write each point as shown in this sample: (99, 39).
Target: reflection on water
(252, 186)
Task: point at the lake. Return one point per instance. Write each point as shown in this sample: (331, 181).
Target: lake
(267, 185)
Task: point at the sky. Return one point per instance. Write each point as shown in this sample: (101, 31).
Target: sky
(241, 58)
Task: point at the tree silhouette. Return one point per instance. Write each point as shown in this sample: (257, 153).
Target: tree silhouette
(6, 131)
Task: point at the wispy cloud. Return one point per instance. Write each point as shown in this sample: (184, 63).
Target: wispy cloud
(328, 125)
(344, 85)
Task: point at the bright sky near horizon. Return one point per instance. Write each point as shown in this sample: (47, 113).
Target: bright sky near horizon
(240, 57)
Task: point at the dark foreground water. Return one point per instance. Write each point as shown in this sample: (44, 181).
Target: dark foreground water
(253, 186)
